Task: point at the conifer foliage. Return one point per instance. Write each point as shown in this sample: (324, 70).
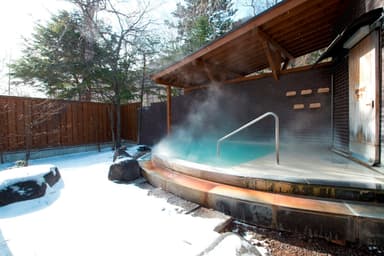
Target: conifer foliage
(201, 21)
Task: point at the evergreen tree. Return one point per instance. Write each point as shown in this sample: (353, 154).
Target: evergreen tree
(53, 60)
(258, 6)
(201, 21)
(77, 55)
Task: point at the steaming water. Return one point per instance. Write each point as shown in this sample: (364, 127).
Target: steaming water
(204, 151)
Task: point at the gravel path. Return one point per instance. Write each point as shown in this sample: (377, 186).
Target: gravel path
(288, 244)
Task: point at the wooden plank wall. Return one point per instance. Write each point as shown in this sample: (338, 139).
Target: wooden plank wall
(42, 123)
(341, 106)
(129, 121)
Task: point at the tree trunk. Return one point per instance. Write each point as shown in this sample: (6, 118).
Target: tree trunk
(28, 124)
(28, 143)
(141, 102)
(112, 125)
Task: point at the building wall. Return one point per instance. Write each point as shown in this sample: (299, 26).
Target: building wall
(340, 131)
(299, 123)
(381, 96)
(219, 110)
(153, 123)
(340, 79)
(355, 9)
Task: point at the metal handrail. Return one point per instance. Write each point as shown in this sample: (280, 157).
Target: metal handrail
(277, 142)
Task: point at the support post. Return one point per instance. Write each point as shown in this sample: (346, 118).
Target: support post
(169, 108)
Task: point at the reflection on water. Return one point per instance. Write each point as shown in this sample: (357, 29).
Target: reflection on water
(204, 151)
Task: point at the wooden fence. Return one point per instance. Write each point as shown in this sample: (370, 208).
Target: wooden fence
(27, 123)
(129, 121)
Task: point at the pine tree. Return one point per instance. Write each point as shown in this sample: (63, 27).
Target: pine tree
(201, 21)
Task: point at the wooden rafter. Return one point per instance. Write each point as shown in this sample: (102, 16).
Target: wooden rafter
(170, 83)
(209, 71)
(214, 72)
(274, 59)
(259, 76)
(259, 20)
(285, 64)
(275, 46)
(269, 40)
(274, 51)
(193, 88)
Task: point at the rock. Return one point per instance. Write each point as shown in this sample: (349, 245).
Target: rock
(138, 151)
(120, 153)
(138, 154)
(25, 183)
(143, 148)
(124, 170)
(21, 191)
(52, 177)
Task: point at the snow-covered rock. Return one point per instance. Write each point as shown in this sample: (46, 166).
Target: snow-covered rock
(127, 169)
(19, 184)
(138, 151)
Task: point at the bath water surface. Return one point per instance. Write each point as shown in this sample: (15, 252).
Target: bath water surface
(204, 151)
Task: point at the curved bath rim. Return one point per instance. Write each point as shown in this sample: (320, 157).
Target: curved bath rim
(282, 180)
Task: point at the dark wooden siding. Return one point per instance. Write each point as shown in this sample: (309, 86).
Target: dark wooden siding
(341, 106)
(154, 121)
(129, 121)
(220, 110)
(340, 76)
(381, 76)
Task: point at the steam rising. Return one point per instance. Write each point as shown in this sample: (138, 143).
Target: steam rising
(210, 117)
(220, 110)
(199, 123)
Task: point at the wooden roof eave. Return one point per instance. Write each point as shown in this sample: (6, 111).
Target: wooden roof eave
(257, 21)
(336, 46)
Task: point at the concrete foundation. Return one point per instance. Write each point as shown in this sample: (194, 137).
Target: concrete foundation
(8, 157)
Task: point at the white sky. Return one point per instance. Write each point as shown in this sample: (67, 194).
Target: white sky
(18, 19)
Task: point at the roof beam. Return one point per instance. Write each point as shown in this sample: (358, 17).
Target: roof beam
(283, 72)
(215, 73)
(265, 37)
(209, 71)
(274, 51)
(193, 88)
(285, 64)
(248, 78)
(259, 20)
(274, 59)
(169, 83)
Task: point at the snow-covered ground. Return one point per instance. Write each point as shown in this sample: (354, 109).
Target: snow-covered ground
(90, 215)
